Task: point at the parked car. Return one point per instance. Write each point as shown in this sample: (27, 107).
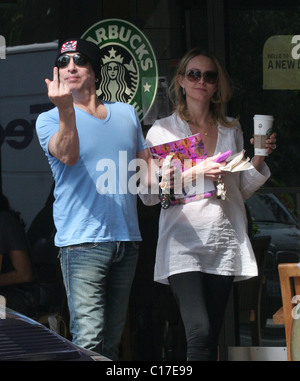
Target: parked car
(271, 217)
(24, 339)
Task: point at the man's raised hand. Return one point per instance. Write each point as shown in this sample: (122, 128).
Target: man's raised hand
(58, 92)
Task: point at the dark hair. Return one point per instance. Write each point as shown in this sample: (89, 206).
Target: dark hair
(5, 207)
(4, 204)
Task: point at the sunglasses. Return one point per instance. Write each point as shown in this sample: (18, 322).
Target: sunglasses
(78, 60)
(210, 77)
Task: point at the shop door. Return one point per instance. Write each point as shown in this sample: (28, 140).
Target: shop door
(264, 63)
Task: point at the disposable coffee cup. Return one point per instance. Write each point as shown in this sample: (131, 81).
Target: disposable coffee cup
(262, 130)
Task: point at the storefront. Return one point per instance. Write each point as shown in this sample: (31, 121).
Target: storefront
(258, 43)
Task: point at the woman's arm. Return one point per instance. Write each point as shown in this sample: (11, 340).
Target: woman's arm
(22, 272)
(148, 189)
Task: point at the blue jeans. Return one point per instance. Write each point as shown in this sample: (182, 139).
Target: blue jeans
(98, 279)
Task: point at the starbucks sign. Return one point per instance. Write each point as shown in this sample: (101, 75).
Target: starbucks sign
(128, 64)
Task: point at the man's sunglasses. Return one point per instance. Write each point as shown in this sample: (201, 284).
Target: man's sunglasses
(210, 77)
(78, 60)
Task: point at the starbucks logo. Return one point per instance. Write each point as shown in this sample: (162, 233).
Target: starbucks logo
(128, 64)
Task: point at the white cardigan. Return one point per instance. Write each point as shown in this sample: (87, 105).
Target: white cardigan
(208, 235)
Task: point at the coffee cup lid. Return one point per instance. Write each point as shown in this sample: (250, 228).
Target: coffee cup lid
(263, 117)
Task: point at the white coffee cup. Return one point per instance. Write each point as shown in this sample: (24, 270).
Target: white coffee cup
(262, 130)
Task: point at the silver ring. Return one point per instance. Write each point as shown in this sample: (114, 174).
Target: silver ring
(274, 146)
(220, 176)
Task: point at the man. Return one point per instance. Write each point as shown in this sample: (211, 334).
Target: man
(89, 144)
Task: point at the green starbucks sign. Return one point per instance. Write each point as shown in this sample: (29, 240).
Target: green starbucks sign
(128, 64)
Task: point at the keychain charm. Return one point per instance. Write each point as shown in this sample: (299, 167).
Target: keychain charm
(163, 197)
(221, 191)
(164, 201)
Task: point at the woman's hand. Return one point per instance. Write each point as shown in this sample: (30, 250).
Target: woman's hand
(211, 169)
(270, 145)
(207, 168)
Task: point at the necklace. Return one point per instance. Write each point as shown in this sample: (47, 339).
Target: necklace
(195, 128)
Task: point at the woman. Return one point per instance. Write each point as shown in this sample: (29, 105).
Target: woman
(17, 283)
(203, 245)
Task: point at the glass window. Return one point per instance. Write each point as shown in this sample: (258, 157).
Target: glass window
(249, 25)
(249, 28)
(267, 208)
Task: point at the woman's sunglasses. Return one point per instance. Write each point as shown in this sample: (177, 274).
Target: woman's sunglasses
(210, 77)
(78, 60)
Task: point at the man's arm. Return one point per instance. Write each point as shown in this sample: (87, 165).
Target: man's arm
(64, 144)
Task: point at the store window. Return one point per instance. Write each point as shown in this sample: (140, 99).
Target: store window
(251, 25)
(244, 29)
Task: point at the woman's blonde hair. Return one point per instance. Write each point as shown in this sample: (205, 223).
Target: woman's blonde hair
(220, 98)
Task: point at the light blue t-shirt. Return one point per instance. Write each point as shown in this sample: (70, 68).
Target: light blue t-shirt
(92, 199)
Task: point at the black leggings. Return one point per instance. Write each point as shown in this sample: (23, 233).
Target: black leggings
(202, 300)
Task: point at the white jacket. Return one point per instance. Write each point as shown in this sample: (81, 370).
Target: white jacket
(208, 235)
